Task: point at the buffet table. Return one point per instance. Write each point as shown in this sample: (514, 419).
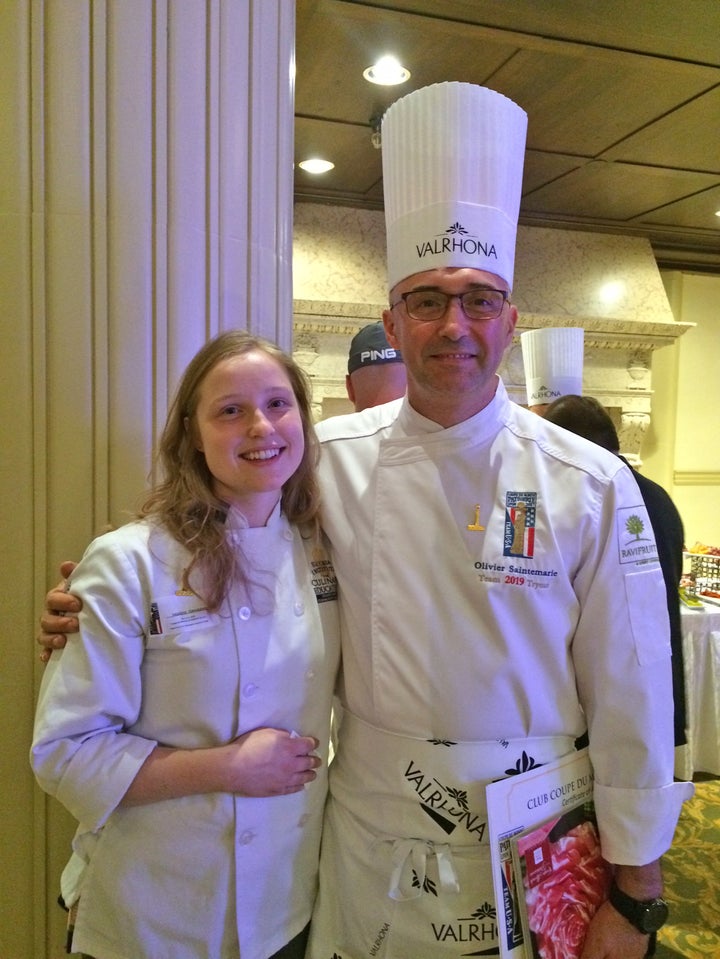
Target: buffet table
(701, 650)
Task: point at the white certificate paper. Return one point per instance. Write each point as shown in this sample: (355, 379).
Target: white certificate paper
(516, 804)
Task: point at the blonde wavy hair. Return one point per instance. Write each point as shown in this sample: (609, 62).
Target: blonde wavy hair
(184, 500)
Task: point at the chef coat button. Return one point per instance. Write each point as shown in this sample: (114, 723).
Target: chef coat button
(246, 837)
(249, 690)
(287, 534)
(310, 674)
(304, 819)
(244, 612)
(299, 609)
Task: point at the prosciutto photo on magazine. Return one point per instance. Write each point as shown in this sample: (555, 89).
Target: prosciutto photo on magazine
(563, 879)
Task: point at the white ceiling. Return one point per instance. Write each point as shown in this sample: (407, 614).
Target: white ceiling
(623, 99)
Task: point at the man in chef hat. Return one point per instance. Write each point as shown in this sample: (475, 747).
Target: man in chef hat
(500, 594)
(493, 606)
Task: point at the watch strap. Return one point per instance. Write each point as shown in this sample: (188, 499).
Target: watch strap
(636, 910)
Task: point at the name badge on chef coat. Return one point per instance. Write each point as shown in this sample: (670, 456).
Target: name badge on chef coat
(178, 614)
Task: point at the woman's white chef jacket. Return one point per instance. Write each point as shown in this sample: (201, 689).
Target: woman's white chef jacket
(500, 594)
(195, 877)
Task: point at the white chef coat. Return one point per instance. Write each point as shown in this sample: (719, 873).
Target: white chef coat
(206, 876)
(500, 594)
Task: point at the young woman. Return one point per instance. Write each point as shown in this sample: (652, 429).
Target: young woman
(186, 725)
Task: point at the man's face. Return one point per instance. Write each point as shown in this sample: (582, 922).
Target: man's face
(451, 362)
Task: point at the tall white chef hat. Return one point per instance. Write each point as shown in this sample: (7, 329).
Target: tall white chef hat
(553, 361)
(452, 177)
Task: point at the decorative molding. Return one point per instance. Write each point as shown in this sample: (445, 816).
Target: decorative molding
(332, 316)
(607, 333)
(611, 333)
(618, 358)
(696, 477)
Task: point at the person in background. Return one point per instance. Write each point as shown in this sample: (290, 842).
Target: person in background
(491, 612)
(376, 373)
(553, 360)
(587, 417)
(186, 726)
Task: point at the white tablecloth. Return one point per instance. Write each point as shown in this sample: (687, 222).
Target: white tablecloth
(701, 649)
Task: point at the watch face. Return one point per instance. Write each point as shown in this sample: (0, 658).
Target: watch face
(653, 916)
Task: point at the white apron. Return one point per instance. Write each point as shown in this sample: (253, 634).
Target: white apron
(413, 863)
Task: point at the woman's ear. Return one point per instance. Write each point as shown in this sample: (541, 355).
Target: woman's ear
(187, 423)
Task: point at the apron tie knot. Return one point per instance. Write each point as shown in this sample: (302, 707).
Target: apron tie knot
(410, 858)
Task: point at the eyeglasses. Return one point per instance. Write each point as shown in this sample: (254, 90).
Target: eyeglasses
(484, 303)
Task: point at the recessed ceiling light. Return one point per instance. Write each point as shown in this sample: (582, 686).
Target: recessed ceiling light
(387, 72)
(316, 165)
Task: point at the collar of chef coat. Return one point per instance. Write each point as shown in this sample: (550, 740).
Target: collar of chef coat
(412, 423)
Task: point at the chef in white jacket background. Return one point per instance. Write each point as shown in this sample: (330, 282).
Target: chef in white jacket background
(499, 584)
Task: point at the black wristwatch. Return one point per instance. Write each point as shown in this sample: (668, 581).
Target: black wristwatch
(647, 915)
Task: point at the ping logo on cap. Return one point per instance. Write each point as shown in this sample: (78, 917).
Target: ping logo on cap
(378, 356)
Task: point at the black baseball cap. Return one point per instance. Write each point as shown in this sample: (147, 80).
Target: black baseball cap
(370, 347)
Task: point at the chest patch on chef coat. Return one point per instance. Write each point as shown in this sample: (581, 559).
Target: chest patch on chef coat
(519, 536)
(324, 581)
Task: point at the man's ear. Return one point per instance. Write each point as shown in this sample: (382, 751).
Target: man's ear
(389, 324)
(512, 320)
(350, 388)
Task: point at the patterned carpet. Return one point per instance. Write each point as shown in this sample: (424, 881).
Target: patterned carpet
(692, 880)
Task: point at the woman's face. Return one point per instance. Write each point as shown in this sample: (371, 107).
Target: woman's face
(248, 426)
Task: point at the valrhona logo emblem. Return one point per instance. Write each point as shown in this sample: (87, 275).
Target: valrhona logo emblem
(544, 394)
(456, 239)
(446, 806)
(475, 935)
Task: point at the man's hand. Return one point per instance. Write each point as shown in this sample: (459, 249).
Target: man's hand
(610, 936)
(60, 616)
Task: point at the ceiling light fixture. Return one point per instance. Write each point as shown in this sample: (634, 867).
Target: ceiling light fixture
(375, 124)
(316, 165)
(388, 71)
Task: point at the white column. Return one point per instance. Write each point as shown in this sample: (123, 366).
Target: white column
(145, 204)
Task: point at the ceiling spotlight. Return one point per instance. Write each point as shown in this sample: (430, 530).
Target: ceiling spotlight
(388, 71)
(316, 165)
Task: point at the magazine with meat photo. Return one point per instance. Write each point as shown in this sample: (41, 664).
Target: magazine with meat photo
(533, 812)
(562, 879)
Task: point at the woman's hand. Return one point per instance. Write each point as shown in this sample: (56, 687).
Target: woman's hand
(263, 762)
(271, 762)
